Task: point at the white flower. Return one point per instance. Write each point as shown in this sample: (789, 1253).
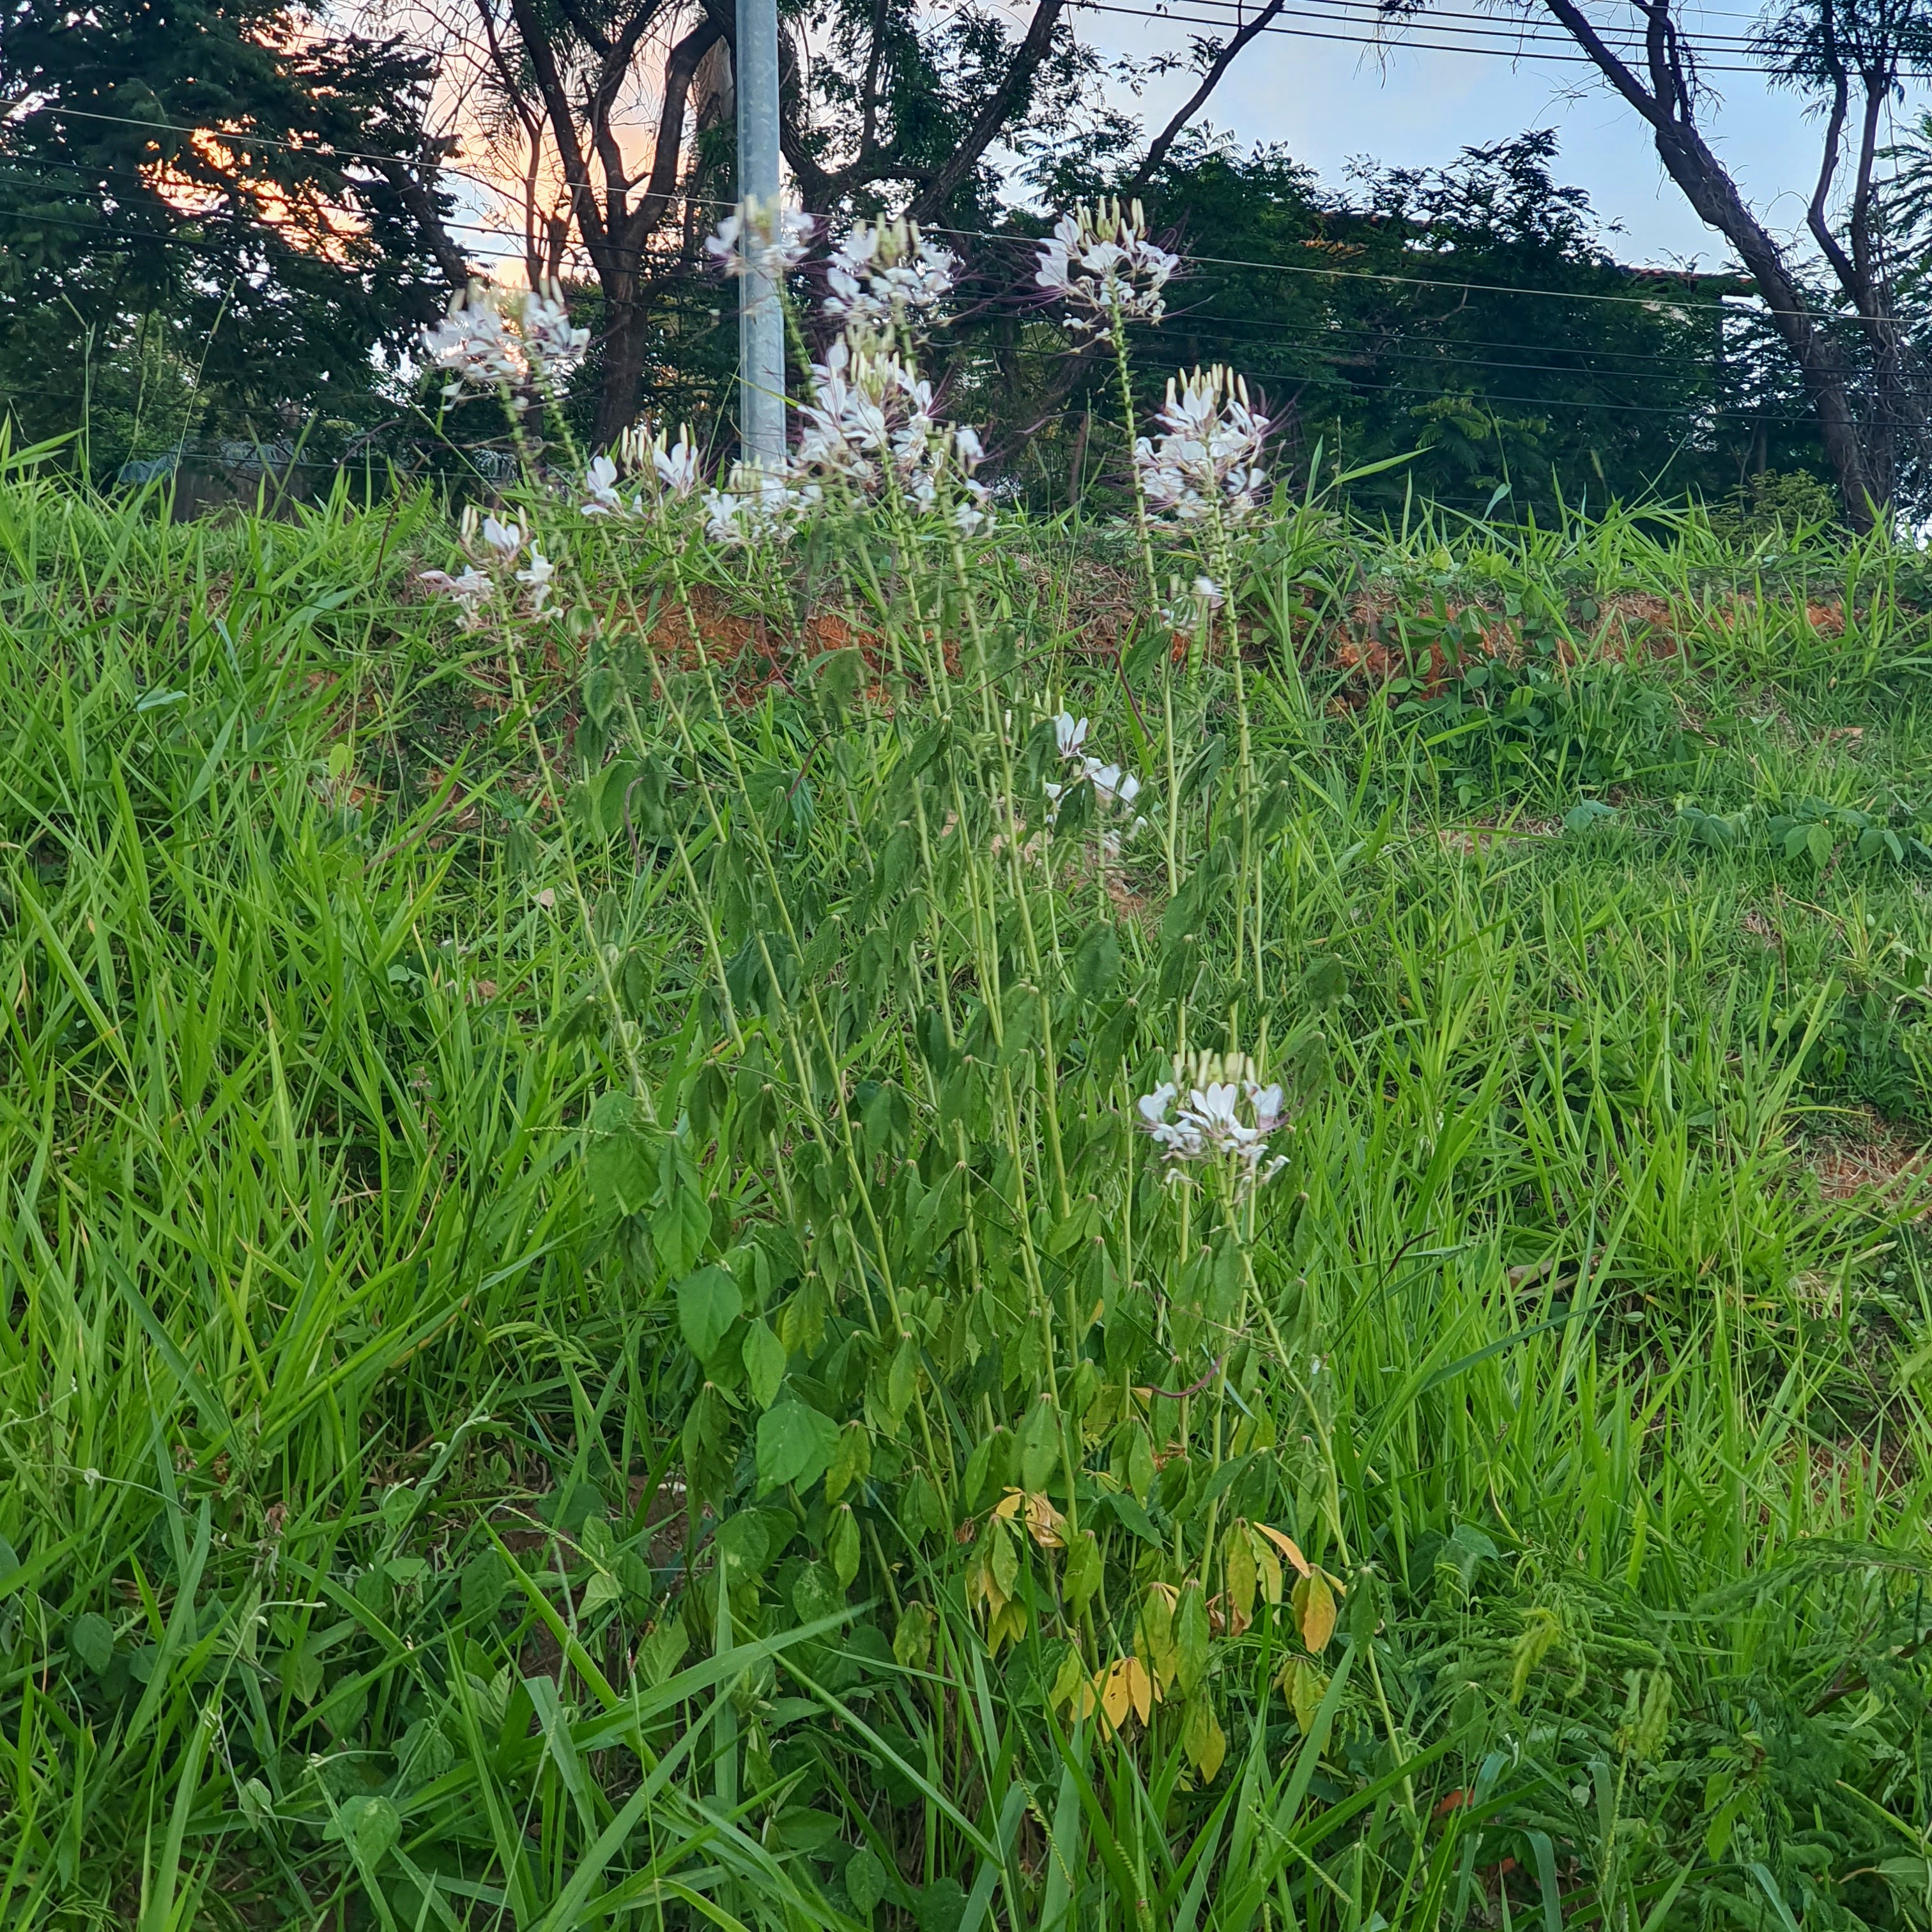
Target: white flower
(677, 467)
(1153, 1106)
(1070, 733)
(468, 591)
(552, 344)
(472, 344)
(600, 487)
(759, 505)
(886, 276)
(1207, 457)
(758, 238)
(671, 468)
(1210, 1124)
(1115, 786)
(505, 539)
(538, 577)
(871, 422)
(1100, 262)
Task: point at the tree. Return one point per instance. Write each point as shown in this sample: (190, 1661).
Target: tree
(209, 186)
(1390, 316)
(899, 112)
(1846, 57)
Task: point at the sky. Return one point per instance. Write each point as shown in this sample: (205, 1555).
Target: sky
(1412, 106)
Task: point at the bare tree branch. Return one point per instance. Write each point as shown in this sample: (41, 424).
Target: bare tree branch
(1668, 106)
(993, 116)
(1157, 148)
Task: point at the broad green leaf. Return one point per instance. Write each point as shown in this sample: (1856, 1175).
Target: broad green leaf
(795, 1445)
(708, 1303)
(764, 1358)
(1191, 1638)
(680, 1227)
(92, 1639)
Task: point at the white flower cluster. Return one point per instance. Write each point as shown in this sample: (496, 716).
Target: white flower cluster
(552, 345)
(669, 471)
(886, 277)
(1208, 454)
(1114, 790)
(473, 344)
(1210, 1124)
(1100, 262)
(502, 545)
(758, 505)
(869, 424)
(871, 415)
(479, 347)
(760, 239)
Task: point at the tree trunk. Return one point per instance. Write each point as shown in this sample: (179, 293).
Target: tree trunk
(627, 332)
(1711, 192)
(1687, 158)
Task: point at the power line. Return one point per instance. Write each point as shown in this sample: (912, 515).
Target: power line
(1425, 46)
(1011, 238)
(1491, 25)
(1447, 356)
(1484, 28)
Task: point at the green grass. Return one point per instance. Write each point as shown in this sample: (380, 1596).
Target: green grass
(551, 1190)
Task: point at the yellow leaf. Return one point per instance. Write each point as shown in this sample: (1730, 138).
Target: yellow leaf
(1303, 1685)
(1288, 1547)
(1269, 1564)
(1048, 1525)
(1009, 1626)
(1141, 1687)
(1318, 1613)
(1116, 1693)
(1008, 1507)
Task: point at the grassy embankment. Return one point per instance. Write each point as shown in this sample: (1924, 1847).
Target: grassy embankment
(440, 1229)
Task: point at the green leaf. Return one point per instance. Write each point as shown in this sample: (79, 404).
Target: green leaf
(662, 1651)
(1190, 1638)
(1039, 1444)
(372, 1826)
(865, 1881)
(851, 1461)
(1084, 1568)
(708, 1303)
(1203, 1739)
(901, 1381)
(796, 1445)
(680, 1227)
(617, 1157)
(91, 1640)
(1820, 840)
(1325, 981)
(764, 1358)
(601, 1588)
(842, 1545)
(484, 1580)
(1587, 812)
(600, 691)
(1097, 962)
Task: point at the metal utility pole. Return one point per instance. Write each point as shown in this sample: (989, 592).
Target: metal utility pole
(761, 364)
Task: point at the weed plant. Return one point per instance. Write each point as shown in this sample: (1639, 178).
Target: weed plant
(595, 1333)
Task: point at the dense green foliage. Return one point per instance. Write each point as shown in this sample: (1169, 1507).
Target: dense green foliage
(159, 285)
(1475, 314)
(588, 1334)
